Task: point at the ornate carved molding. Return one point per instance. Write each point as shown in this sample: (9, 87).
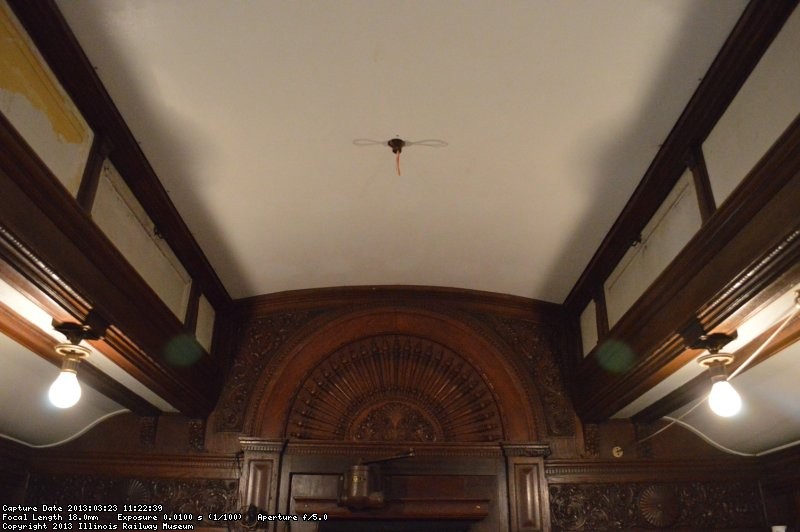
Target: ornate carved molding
(140, 465)
(395, 388)
(262, 446)
(197, 434)
(533, 345)
(147, 430)
(395, 421)
(631, 471)
(262, 338)
(22, 258)
(659, 505)
(368, 450)
(532, 449)
(645, 449)
(695, 505)
(591, 440)
(328, 329)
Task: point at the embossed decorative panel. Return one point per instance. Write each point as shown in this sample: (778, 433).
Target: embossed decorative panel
(695, 506)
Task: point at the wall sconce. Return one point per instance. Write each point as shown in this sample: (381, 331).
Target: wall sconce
(65, 390)
(723, 399)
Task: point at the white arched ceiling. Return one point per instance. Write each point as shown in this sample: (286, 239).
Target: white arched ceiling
(552, 112)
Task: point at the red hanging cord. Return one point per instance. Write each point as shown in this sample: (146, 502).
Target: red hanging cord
(397, 146)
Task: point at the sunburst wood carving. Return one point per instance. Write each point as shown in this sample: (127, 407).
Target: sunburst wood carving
(395, 388)
(659, 505)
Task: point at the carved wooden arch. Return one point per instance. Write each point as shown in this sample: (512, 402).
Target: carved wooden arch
(395, 388)
(274, 395)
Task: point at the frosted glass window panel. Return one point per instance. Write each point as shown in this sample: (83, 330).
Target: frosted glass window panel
(122, 218)
(589, 328)
(762, 110)
(675, 222)
(33, 101)
(204, 331)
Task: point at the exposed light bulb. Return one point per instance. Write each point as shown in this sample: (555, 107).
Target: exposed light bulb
(724, 400)
(65, 390)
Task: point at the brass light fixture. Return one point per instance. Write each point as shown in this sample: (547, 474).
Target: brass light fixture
(360, 487)
(65, 391)
(723, 399)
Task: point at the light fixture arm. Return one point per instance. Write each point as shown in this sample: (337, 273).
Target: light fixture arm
(76, 332)
(714, 342)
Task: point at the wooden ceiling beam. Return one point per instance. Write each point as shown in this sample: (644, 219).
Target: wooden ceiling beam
(746, 247)
(55, 41)
(747, 43)
(47, 237)
(741, 248)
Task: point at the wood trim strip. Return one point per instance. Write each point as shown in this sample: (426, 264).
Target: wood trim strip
(91, 174)
(601, 313)
(405, 508)
(58, 45)
(34, 339)
(702, 183)
(751, 241)
(603, 471)
(192, 308)
(149, 465)
(750, 38)
(337, 297)
(54, 298)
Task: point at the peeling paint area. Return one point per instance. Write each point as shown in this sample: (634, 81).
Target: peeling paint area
(35, 103)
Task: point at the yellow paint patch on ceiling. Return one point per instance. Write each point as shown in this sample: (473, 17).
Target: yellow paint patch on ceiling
(23, 72)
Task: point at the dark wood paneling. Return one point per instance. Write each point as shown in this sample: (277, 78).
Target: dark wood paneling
(55, 41)
(45, 231)
(442, 482)
(749, 243)
(13, 471)
(528, 497)
(657, 506)
(175, 496)
(142, 465)
(640, 471)
(260, 484)
(750, 38)
(684, 494)
(781, 487)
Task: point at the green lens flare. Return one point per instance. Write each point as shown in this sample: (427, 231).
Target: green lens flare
(615, 356)
(182, 351)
